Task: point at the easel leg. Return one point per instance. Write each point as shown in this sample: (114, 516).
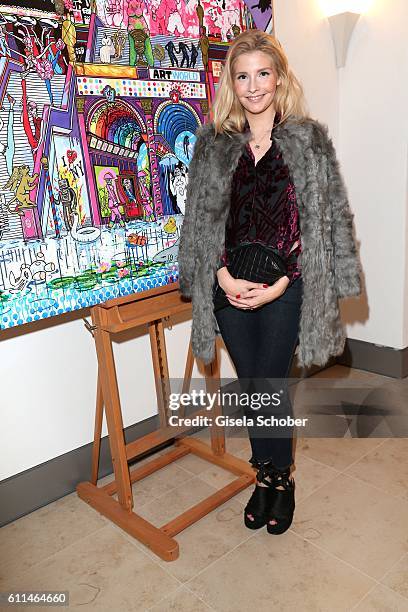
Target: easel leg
(188, 371)
(97, 432)
(160, 368)
(110, 392)
(212, 382)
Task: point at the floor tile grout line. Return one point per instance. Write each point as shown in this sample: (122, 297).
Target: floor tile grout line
(346, 468)
(374, 586)
(180, 588)
(353, 477)
(138, 545)
(204, 602)
(334, 556)
(376, 580)
(69, 546)
(321, 549)
(172, 594)
(252, 535)
(388, 588)
(367, 453)
(192, 476)
(405, 554)
(134, 541)
(170, 490)
(370, 484)
(317, 461)
(344, 472)
(385, 586)
(307, 496)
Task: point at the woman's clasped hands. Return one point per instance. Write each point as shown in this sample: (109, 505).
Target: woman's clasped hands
(248, 295)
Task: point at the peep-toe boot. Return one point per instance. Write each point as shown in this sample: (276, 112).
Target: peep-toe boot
(259, 504)
(283, 502)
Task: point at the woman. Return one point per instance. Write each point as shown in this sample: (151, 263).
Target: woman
(265, 174)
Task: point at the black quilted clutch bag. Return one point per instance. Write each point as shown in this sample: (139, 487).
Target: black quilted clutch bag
(253, 262)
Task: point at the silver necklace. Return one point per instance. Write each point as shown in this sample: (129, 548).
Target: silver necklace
(257, 145)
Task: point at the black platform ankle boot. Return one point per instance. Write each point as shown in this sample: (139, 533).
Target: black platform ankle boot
(259, 504)
(283, 502)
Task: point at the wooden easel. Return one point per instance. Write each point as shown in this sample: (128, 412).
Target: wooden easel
(151, 307)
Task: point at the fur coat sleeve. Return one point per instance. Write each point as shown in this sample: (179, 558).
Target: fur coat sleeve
(346, 266)
(196, 177)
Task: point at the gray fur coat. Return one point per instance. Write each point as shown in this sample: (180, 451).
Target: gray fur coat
(329, 264)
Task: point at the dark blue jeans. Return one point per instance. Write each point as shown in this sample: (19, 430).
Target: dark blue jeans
(261, 344)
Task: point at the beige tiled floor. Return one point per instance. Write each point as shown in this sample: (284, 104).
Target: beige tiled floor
(347, 548)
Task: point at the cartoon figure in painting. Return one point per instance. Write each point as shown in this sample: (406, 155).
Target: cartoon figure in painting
(109, 93)
(147, 200)
(128, 189)
(139, 42)
(159, 15)
(223, 20)
(4, 50)
(133, 206)
(119, 40)
(113, 200)
(20, 283)
(9, 149)
(69, 37)
(200, 15)
(36, 57)
(184, 50)
(39, 268)
(235, 30)
(68, 199)
(30, 118)
(36, 273)
(159, 53)
(21, 183)
(178, 188)
(204, 46)
(49, 42)
(263, 5)
(174, 25)
(171, 50)
(194, 55)
(186, 145)
(107, 50)
(110, 11)
(171, 226)
(140, 49)
(136, 19)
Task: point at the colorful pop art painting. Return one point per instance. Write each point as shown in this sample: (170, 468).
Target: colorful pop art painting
(99, 104)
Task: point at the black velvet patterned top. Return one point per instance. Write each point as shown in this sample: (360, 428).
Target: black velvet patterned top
(263, 206)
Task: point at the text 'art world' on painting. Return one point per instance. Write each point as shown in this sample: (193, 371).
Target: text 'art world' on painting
(99, 104)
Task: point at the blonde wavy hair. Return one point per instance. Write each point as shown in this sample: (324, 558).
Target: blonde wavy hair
(227, 112)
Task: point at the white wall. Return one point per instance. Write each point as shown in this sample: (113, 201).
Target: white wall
(47, 394)
(305, 37)
(48, 387)
(373, 139)
(364, 104)
(48, 376)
